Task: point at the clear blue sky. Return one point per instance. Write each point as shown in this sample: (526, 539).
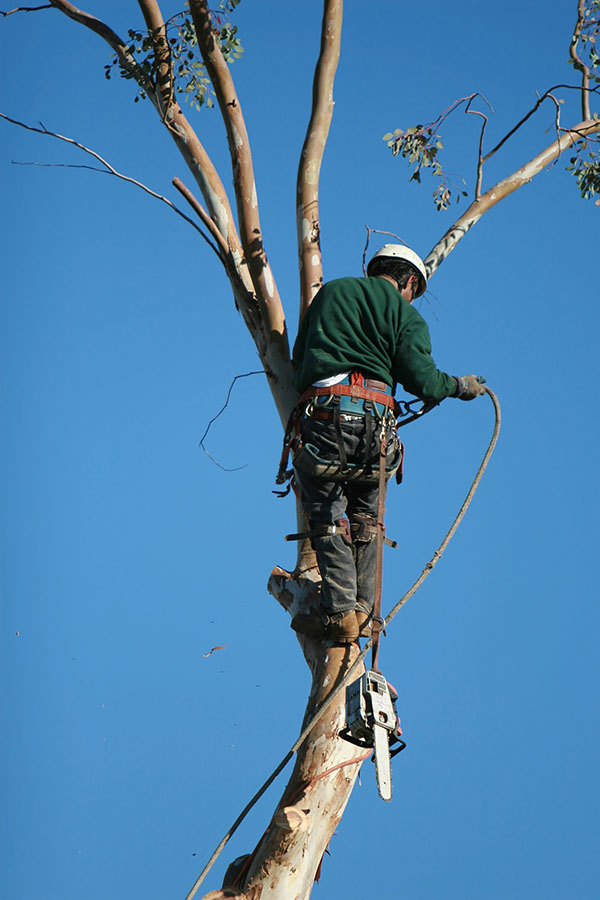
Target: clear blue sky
(127, 554)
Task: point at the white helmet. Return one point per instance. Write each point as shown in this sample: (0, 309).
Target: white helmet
(399, 251)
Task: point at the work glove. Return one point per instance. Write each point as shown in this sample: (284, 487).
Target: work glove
(470, 386)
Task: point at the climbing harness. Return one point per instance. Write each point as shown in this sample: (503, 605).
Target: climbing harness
(352, 669)
(338, 400)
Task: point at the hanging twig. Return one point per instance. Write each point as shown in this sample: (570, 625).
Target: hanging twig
(214, 419)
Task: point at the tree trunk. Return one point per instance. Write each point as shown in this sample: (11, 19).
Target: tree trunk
(288, 856)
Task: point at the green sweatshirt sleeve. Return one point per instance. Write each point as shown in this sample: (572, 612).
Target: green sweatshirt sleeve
(413, 365)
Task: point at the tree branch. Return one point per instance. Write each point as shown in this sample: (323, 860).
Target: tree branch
(243, 174)
(578, 62)
(505, 187)
(307, 186)
(534, 109)
(24, 9)
(475, 112)
(100, 28)
(157, 29)
(187, 141)
(202, 215)
(108, 170)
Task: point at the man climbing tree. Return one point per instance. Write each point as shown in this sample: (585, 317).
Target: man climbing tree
(185, 55)
(358, 340)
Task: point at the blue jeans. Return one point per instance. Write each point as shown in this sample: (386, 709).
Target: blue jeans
(347, 559)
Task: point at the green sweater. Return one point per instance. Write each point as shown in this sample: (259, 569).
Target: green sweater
(365, 324)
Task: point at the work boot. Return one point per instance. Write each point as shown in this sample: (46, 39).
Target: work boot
(364, 623)
(344, 630)
(311, 626)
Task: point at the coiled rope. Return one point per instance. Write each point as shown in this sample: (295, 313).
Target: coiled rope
(326, 705)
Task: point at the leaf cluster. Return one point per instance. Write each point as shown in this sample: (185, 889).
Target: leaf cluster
(587, 174)
(190, 78)
(420, 145)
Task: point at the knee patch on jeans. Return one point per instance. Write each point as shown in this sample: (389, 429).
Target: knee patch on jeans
(363, 528)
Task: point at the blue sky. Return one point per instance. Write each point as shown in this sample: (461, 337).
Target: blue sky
(127, 554)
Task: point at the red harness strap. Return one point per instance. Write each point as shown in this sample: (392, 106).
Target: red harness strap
(357, 388)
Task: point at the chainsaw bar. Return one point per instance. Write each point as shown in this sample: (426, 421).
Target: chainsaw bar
(383, 768)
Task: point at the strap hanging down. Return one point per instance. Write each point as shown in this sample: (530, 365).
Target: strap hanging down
(377, 621)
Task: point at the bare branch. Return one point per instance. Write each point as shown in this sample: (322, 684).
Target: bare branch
(203, 215)
(307, 200)
(24, 9)
(578, 62)
(108, 170)
(507, 186)
(534, 109)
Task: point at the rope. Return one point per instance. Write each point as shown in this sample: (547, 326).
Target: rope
(326, 705)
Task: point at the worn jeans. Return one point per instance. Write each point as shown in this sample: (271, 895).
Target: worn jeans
(347, 561)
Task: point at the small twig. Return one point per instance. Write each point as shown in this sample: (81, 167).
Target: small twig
(24, 9)
(371, 231)
(214, 419)
(475, 112)
(544, 96)
(556, 125)
(108, 170)
(479, 177)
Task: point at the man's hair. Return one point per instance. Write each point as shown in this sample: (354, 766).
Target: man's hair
(398, 269)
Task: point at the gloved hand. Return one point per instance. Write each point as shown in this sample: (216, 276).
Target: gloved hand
(470, 386)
